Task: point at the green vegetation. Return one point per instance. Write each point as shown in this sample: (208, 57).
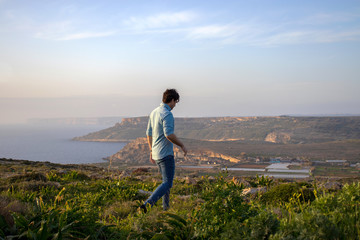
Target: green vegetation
(339, 171)
(74, 205)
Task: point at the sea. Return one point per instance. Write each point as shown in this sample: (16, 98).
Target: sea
(53, 143)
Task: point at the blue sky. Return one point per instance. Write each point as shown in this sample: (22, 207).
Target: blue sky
(226, 58)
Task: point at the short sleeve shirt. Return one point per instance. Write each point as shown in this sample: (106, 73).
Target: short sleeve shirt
(161, 125)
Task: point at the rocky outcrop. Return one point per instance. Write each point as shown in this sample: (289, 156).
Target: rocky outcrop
(278, 137)
(137, 151)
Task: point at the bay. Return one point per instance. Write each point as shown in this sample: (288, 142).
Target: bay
(54, 144)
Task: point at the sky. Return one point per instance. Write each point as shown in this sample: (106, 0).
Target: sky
(69, 58)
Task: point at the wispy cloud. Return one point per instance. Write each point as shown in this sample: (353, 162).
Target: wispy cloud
(160, 23)
(196, 27)
(68, 30)
(214, 31)
(329, 18)
(305, 37)
(84, 35)
(312, 29)
(162, 20)
(318, 28)
(74, 36)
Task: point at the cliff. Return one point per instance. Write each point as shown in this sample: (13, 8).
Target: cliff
(137, 152)
(283, 129)
(128, 129)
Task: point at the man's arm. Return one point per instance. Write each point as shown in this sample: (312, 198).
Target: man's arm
(149, 139)
(174, 139)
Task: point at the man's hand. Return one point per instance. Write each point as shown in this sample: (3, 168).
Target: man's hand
(184, 150)
(151, 159)
(173, 138)
(149, 138)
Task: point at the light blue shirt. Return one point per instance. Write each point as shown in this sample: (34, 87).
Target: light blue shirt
(161, 125)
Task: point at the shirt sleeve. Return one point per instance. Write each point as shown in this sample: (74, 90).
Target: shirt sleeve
(168, 125)
(149, 128)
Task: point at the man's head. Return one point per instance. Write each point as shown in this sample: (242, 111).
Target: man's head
(171, 97)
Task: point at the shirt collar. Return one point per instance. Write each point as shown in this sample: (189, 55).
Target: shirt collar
(166, 106)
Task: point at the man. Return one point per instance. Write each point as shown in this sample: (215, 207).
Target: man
(161, 137)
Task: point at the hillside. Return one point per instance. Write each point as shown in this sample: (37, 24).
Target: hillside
(282, 129)
(225, 152)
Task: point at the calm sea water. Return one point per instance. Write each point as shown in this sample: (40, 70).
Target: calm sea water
(53, 144)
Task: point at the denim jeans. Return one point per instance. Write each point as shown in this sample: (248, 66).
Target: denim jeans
(167, 170)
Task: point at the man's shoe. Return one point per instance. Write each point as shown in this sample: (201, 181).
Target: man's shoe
(143, 208)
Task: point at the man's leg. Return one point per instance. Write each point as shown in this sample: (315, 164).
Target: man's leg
(166, 200)
(169, 177)
(167, 169)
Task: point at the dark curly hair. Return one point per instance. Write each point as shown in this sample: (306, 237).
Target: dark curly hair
(169, 95)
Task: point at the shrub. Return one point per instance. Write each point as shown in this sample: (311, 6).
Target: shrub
(263, 181)
(28, 177)
(261, 226)
(140, 171)
(74, 175)
(223, 204)
(284, 192)
(9, 205)
(311, 225)
(35, 185)
(120, 209)
(343, 209)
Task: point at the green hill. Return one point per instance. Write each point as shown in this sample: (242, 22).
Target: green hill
(282, 129)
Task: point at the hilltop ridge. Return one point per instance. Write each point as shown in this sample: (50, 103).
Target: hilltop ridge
(280, 129)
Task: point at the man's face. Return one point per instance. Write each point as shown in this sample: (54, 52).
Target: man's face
(173, 103)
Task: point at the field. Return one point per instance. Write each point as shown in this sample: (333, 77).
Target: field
(349, 149)
(51, 201)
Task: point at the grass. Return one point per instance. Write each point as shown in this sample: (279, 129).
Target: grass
(85, 207)
(337, 171)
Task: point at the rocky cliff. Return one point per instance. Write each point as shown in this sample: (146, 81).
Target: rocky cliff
(137, 152)
(204, 152)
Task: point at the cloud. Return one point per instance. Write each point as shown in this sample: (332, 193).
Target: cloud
(307, 37)
(329, 18)
(160, 23)
(83, 35)
(75, 36)
(318, 28)
(68, 30)
(162, 20)
(195, 27)
(213, 31)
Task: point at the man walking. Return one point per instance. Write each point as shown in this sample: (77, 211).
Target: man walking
(161, 137)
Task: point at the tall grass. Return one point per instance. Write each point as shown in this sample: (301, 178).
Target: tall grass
(85, 208)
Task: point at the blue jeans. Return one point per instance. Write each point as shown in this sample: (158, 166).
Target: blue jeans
(167, 169)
